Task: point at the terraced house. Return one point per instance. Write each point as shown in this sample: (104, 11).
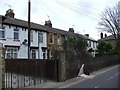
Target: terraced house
(14, 36)
(44, 39)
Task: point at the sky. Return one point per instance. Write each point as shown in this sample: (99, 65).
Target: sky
(82, 15)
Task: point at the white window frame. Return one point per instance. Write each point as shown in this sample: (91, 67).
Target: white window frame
(93, 44)
(31, 36)
(12, 51)
(59, 39)
(33, 54)
(16, 31)
(40, 37)
(2, 30)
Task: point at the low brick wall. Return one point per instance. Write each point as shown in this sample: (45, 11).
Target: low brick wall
(2, 68)
(90, 64)
(94, 64)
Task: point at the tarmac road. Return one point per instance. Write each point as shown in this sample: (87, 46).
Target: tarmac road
(108, 79)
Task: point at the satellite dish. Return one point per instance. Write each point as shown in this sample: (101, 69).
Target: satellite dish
(24, 42)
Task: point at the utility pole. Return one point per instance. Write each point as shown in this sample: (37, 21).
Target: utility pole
(29, 27)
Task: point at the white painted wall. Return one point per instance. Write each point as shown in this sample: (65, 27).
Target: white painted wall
(23, 34)
(35, 39)
(93, 46)
(44, 44)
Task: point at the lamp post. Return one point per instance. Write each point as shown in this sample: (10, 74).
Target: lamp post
(29, 27)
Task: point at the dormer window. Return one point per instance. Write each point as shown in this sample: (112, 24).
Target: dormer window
(16, 34)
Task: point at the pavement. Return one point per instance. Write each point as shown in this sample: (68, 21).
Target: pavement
(73, 81)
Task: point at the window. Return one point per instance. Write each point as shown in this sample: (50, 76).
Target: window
(31, 36)
(59, 40)
(40, 37)
(93, 44)
(89, 43)
(33, 54)
(51, 38)
(2, 32)
(16, 34)
(11, 52)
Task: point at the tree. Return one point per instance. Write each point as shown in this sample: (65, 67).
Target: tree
(110, 22)
(74, 46)
(104, 48)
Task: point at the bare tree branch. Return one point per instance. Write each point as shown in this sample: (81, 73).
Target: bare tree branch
(110, 21)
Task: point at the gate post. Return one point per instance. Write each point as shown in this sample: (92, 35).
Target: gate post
(2, 67)
(61, 66)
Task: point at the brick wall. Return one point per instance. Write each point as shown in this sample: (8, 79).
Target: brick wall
(2, 68)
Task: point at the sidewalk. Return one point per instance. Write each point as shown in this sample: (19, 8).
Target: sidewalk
(65, 84)
(52, 84)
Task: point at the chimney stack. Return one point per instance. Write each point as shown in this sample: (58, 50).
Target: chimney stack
(71, 30)
(87, 35)
(101, 35)
(10, 13)
(48, 23)
(105, 35)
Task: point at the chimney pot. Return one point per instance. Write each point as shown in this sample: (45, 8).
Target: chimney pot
(71, 30)
(101, 35)
(87, 35)
(105, 35)
(48, 23)
(10, 13)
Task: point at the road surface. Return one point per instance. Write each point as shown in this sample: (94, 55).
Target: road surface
(107, 79)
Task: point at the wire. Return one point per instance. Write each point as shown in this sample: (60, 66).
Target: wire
(55, 14)
(84, 6)
(7, 5)
(78, 11)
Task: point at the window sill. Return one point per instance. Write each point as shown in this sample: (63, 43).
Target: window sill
(59, 44)
(3, 39)
(17, 40)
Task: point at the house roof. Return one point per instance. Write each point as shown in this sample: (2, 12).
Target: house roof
(23, 23)
(111, 37)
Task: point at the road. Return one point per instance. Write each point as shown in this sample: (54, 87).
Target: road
(107, 79)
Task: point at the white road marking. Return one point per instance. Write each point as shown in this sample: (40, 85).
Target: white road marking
(108, 69)
(113, 76)
(97, 86)
(117, 74)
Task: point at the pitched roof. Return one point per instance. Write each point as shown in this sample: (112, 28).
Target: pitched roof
(23, 23)
(111, 37)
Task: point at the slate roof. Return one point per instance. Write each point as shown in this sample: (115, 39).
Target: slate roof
(23, 23)
(111, 37)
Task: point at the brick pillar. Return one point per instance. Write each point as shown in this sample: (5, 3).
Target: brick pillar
(61, 65)
(2, 68)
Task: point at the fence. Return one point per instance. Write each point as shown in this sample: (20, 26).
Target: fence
(21, 73)
(52, 70)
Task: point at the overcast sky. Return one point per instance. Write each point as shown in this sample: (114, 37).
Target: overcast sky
(82, 15)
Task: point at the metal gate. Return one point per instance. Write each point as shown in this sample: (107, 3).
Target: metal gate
(22, 73)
